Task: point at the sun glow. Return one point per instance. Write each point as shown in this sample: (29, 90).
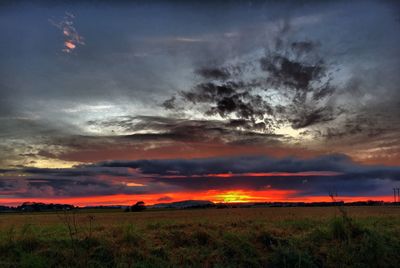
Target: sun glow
(52, 163)
(233, 197)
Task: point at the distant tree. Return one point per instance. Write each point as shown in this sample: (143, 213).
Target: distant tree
(139, 206)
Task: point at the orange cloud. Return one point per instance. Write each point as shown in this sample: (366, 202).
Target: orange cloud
(69, 45)
(71, 36)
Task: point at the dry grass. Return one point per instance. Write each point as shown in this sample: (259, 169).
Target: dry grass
(117, 217)
(245, 237)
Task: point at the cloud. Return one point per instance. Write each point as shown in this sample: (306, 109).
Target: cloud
(344, 176)
(71, 37)
(265, 74)
(157, 128)
(228, 100)
(291, 71)
(303, 177)
(165, 199)
(213, 73)
(245, 164)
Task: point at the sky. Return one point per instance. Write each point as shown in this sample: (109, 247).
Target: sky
(113, 102)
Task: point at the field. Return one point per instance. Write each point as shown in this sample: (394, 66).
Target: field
(242, 237)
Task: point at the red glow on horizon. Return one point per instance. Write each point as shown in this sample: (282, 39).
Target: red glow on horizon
(259, 174)
(276, 174)
(217, 196)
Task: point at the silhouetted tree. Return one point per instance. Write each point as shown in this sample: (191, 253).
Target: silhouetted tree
(139, 206)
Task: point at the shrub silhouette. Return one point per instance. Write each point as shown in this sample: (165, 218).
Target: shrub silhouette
(139, 206)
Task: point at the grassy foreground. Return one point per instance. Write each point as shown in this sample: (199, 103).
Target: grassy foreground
(246, 237)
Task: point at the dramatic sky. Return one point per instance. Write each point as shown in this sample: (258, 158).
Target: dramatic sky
(112, 102)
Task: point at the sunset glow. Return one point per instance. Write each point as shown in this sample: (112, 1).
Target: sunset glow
(201, 133)
(235, 196)
(245, 101)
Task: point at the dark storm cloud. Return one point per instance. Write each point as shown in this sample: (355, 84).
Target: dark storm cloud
(309, 116)
(304, 72)
(185, 130)
(337, 172)
(255, 164)
(78, 181)
(297, 69)
(294, 69)
(232, 98)
(293, 74)
(76, 172)
(67, 187)
(351, 178)
(213, 73)
(337, 163)
(359, 124)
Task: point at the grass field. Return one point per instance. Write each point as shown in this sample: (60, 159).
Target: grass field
(242, 237)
